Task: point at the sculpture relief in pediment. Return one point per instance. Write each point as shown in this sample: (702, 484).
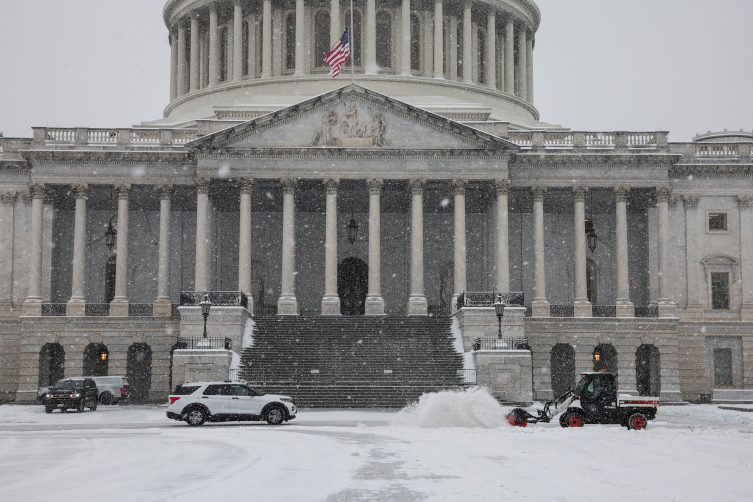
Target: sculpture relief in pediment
(351, 131)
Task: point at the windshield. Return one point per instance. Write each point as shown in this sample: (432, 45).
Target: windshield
(69, 384)
(580, 388)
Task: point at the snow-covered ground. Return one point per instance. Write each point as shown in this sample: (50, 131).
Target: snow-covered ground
(135, 453)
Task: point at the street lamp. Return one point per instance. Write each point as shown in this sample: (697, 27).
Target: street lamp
(205, 306)
(499, 308)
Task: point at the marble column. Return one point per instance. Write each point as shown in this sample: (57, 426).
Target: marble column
(491, 50)
(529, 71)
(244, 240)
(540, 305)
(374, 300)
(459, 187)
(696, 282)
(667, 307)
(510, 56)
(195, 51)
(522, 64)
(182, 60)
(467, 44)
(214, 46)
(581, 305)
(288, 304)
(624, 305)
(77, 303)
(438, 40)
(201, 273)
(32, 306)
(370, 65)
(300, 35)
(503, 253)
(335, 32)
(237, 40)
(330, 301)
(173, 67)
(266, 39)
(417, 304)
(745, 205)
(162, 306)
(119, 304)
(7, 203)
(405, 38)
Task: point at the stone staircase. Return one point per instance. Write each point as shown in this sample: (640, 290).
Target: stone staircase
(352, 362)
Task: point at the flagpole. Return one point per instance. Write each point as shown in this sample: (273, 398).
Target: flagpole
(352, 47)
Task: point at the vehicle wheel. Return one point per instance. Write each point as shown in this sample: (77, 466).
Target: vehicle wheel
(196, 417)
(563, 422)
(48, 409)
(274, 416)
(106, 398)
(63, 410)
(572, 420)
(637, 421)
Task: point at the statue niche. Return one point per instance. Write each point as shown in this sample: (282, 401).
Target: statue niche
(353, 132)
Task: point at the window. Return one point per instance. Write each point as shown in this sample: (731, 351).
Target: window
(717, 221)
(481, 56)
(185, 390)
(720, 290)
(290, 42)
(244, 48)
(415, 43)
(219, 390)
(355, 39)
(241, 390)
(322, 38)
(723, 367)
(223, 55)
(383, 39)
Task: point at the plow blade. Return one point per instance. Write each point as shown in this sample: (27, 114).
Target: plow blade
(519, 417)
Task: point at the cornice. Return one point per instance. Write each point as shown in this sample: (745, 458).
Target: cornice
(42, 157)
(329, 153)
(601, 160)
(712, 170)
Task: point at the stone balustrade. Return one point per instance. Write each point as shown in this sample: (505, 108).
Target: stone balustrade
(563, 140)
(732, 151)
(58, 136)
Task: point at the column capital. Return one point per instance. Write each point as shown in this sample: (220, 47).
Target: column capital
(663, 194)
(502, 186)
(288, 185)
(246, 185)
(459, 186)
(37, 190)
(202, 185)
(691, 201)
(538, 193)
(124, 191)
(745, 201)
(8, 198)
(417, 186)
(621, 193)
(580, 193)
(165, 191)
(375, 186)
(81, 190)
(331, 186)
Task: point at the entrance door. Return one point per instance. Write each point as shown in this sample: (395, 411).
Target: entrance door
(563, 368)
(647, 370)
(352, 286)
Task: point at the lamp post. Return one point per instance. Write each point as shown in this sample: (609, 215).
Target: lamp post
(205, 306)
(499, 308)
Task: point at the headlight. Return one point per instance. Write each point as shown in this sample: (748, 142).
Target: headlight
(50, 396)
(76, 395)
(286, 400)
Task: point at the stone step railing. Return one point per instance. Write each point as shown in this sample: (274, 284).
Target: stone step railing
(582, 141)
(59, 136)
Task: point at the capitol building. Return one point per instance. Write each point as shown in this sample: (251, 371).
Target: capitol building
(354, 233)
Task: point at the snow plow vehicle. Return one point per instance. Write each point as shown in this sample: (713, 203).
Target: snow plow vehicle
(593, 401)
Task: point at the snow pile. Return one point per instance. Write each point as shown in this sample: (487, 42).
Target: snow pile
(472, 408)
(248, 334)
(457, 335)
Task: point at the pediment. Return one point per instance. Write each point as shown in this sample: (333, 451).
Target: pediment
(350, 118)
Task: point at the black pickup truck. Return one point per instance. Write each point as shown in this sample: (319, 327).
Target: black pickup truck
(73, 393)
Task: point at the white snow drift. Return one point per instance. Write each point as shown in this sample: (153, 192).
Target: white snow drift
(473, 408)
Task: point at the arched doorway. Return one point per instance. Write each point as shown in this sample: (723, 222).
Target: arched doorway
(352, 286)
(139, 371)
(96, 360)
(605, 358)
(51, 364)
(648, 370)
(563, 368)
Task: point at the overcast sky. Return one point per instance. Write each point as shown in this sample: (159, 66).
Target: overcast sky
(600, 65)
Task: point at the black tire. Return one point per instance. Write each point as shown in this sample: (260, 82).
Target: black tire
(47, 409)
(196, 416)
(63, 410)
(106, 398)
(275, 415)
(572, 419)
(637, 421)
(563, 422)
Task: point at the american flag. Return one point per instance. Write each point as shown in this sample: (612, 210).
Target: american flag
(338, 54)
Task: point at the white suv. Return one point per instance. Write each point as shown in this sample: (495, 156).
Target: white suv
(226, 401)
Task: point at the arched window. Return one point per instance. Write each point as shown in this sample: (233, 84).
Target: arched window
(481, 56)
(96, 360)
(290, 41)
(139, 371)
(605, 358)
(223, 54)
(110, 270)
(415, 43)
(383, 39)
(321, 37)
(355, 39)
(244, 48)
(51, 364)
(591, 288)
(460, 50)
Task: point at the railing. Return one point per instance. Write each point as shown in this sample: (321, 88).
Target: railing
(112, 137)
(60, 135)
(199, 342)
(140, 309)
(637, 139)
(183, 137)
(53, 309)
(500, 344)
(145, 136)
(647, 311)
(604, 310)
(218, 298)
(559, 139)
(487, 299)
(599, 139)
(97, 309)
(540, 140)
(102, 136)
(561, 311)
(716, 149)
(467, 377)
